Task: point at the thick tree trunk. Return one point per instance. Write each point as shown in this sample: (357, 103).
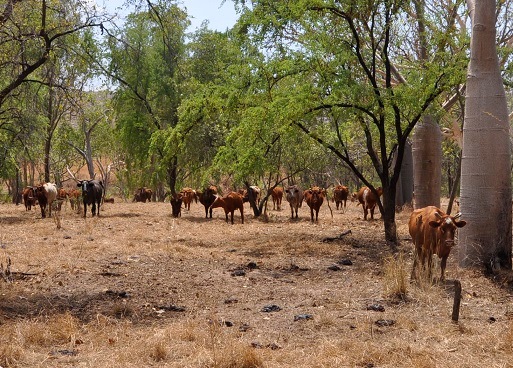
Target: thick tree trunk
(404, 191)
(486, 160)
(427, 162)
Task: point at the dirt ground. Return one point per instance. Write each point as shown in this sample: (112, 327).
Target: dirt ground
(136, 287)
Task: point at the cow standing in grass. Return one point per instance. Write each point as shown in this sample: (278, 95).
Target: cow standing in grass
(207, 197)
(231, 202)
(29, 198)
(368, 199)
(294, 195)
(432, 232)
(340, 194)
(314, 198)
(92, 193)
(46, 194)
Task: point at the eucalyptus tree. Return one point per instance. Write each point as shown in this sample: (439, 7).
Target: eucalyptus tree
(31, 34)
(340, 60)
(486, 161)
(145, 58)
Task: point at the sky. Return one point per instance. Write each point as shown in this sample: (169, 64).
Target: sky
(220, 17)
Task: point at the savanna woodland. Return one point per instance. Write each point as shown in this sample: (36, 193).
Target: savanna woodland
(411, 99)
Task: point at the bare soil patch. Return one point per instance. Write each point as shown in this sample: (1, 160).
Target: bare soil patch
(136, 287)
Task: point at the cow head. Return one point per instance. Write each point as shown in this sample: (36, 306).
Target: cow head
(316, 194)
(446, 226)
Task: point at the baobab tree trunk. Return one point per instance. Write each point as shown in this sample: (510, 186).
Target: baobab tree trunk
(427, 137)
(427, 161)
(486, 159)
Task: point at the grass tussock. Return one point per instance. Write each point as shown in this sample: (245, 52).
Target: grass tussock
(11, 353)
(54, 330)
(395, 277)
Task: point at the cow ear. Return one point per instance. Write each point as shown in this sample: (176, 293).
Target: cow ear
(79, 184)
(435, 223)
(460, 223)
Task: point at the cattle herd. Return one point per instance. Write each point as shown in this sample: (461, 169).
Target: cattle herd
(432, 231)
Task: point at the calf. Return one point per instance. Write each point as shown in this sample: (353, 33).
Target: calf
(207, 197)
(294, 195)
(368, 200)
(176, 204)
(277, 196)
(230, 203)
(314, 198)
(432, 232)
(74, 199)
(142, 195)
(62, 196)
(46, 194)
(340, 194)
(92, 193)
(188, 195)
(29, 198)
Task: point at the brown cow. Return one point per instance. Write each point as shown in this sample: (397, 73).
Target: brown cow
(207, 197)
(176, 204)
(230, 203)
(62, 196)
(314, 198)
(277, 196)
(75, 198)
(368, 200)
(142, 195)
(188, 195)
(294, 195)
(432, 232)
(340, 194)
(29, 198)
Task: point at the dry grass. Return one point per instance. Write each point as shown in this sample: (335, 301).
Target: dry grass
(107, 292)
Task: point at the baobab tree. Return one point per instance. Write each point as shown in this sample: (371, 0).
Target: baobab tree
(486, 158)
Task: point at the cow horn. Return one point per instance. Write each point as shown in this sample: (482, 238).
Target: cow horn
(457, 216)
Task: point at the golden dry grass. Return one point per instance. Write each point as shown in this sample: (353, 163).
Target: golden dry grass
(106, 292)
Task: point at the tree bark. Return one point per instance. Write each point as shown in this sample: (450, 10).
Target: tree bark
(427, 138)
(427, 159)
(486, 158)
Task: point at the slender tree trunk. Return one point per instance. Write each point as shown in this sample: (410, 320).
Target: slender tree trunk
(427, 159)
(486, 159)
(172, 175)
(389, 217)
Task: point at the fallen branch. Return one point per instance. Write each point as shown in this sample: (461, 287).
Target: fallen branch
(338, 237)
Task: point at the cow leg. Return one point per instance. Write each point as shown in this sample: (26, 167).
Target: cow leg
(93, 209)
(316, 215)
(372, 213)
(292, 211)
(242, 214)
(99, 202)
(443, 263)
(311, 214)
(365, 212)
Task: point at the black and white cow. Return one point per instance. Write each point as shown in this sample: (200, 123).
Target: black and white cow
(92, 193)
